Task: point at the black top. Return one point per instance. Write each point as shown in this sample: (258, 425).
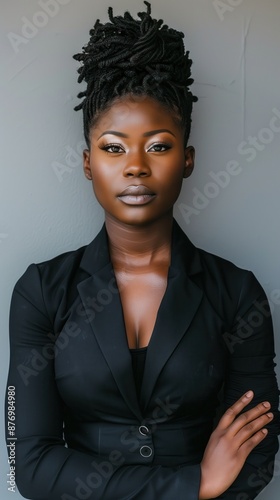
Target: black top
(73, 377)
(138, 358)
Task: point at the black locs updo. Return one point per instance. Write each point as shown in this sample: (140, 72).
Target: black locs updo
(137, 57)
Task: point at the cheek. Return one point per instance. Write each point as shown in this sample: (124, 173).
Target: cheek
(99, 184)
(101, 174)
(173, 186)
(173, 175)
(175, 189)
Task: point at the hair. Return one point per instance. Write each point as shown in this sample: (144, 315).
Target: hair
(136, 57)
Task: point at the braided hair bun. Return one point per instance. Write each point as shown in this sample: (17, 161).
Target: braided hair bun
(137, 57)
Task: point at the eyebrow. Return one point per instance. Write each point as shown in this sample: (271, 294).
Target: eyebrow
(146, 134)
(154, 132)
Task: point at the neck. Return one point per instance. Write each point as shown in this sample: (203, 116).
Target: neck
(139, 246)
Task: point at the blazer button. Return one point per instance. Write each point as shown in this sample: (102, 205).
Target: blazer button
(146, 451)
(144, 430)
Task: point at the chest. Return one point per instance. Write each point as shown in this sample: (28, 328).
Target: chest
(141, 295)
(186, 361)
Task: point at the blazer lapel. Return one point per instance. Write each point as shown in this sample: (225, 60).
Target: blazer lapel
(101, 300)
(179, 305)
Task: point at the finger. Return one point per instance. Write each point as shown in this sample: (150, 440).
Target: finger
(253, 427)
(233, 411)
(251, 443)
(249, 416)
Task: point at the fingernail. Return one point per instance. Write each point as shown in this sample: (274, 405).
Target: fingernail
(266, 404)
(249, 394)
(269, 415)
(264, 431)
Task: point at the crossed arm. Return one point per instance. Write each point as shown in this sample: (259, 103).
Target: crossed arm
(47, 470)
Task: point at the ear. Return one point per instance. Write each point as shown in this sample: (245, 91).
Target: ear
(86, 164)
(189, 161)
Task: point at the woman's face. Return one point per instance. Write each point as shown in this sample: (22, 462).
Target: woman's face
(137, 160)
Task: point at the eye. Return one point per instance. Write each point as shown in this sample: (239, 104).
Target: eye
(113, 148)
(159, 147)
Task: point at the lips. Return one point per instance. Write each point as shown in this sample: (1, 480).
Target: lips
(136, 195)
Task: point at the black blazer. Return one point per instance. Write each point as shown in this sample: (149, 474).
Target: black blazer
(81, 431)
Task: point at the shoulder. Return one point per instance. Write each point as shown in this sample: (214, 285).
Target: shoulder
(55, 269)
(227, 287)
(50, 286)
(231, 290)
(62, 266)
(222, 270)
(215, 269)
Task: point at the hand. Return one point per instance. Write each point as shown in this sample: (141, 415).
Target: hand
(230, 444)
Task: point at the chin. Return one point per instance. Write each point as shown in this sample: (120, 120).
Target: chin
(141, 219)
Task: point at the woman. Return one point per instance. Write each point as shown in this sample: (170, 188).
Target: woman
(121, 350)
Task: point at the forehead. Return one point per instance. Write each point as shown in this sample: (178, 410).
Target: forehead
(136, 112)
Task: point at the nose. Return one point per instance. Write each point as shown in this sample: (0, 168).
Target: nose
(136, 167)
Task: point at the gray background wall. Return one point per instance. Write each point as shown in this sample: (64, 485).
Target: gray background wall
(230, 205)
